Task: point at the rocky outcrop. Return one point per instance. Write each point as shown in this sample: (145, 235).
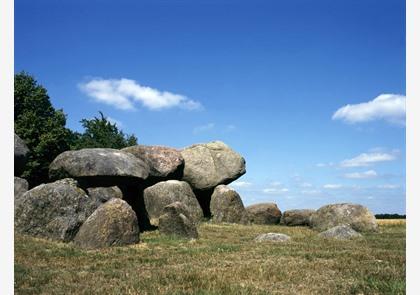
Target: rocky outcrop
(226, 206)
(164, 162)
(297, 217)
(210, 164)
(272, 237)
(163, 193)
(54, 210)
(104, 194)
(21, 155)
(99, 165)
(176, 220)
(21, 187)
(354, 215)
(264, 213)
(340, 232)
(113, 224)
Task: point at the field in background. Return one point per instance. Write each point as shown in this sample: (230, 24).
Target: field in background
(225, 260)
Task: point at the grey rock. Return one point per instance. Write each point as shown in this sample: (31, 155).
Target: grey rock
(99, 163)
(21, 155)
(54, 210)
(340, 232)
(226, 206)
(176, 220)
(210, 164)
(113, 224)
(297, 217)
(163, 193)
(354, 215)
(164, 162)
(21, 187)
(104, 194)
(272, 237)
(264, 213)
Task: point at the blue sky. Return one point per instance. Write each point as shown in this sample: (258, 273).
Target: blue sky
(269, 78)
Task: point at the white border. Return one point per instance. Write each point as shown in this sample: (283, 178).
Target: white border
(7, 143)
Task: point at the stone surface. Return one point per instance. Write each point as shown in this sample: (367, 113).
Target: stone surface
(21, 187)
(226, 206)
(210, 164)
(164, 162)
(163, 193)
(113, 224)
(104, 194)
(272, 237)
(21, 155)
(99, 163)
(297, 217)
(264, 213)
(54, 210)
(357, 216)
(176, 220)
(340, 232)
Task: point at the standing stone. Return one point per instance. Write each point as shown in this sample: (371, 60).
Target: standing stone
(21, 187)
(164, 162)
(264, 213)
(112, 224)
(210, 164)
(297, 217)
(54, 210)
(99, 164)
(226, 206)
(340, 232)
(354, 215)
(163, 193)
(21, 155)
(176, 220)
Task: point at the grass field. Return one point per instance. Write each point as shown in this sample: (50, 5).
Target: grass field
(225, 260)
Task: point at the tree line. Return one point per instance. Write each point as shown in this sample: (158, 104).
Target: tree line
(43, 128)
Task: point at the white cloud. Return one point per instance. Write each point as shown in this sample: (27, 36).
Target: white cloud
(325, 164)
(230, 128)
(388, 186)
(124, 93)
(362, 175)
(311, 192)
(333, 186)
(241, 184)
(388, 107)
(365, 159)
(272, 190)
(275, 183)
(204, 128)
(306, 184)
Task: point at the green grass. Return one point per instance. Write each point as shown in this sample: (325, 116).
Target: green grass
(225, 260)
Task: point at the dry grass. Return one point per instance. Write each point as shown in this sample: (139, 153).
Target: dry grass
(391, 222)
(225, 260)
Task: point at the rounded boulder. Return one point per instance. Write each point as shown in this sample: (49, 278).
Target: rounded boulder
(264, 213)
(226, 206)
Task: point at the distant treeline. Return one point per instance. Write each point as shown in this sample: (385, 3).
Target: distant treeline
(389, 216)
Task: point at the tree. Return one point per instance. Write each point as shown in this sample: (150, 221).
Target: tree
(101, 133)
(40, 126)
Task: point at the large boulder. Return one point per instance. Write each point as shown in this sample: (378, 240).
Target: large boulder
(264, 213)
(163, 193)
(96, 165)
(210, 164)
(176, 220)
(21, 187)
(272, 237)
(164, 162)
(340, 232)
(354, 215)
(54, 210)
(104, 194)
(226, 206)
(113, 224)
(21, 155)
(296, 217)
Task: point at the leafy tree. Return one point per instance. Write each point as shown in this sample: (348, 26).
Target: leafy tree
(101, 133)
(40, 126)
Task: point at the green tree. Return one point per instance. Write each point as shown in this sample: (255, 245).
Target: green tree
(40, 126)
(101, 133)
